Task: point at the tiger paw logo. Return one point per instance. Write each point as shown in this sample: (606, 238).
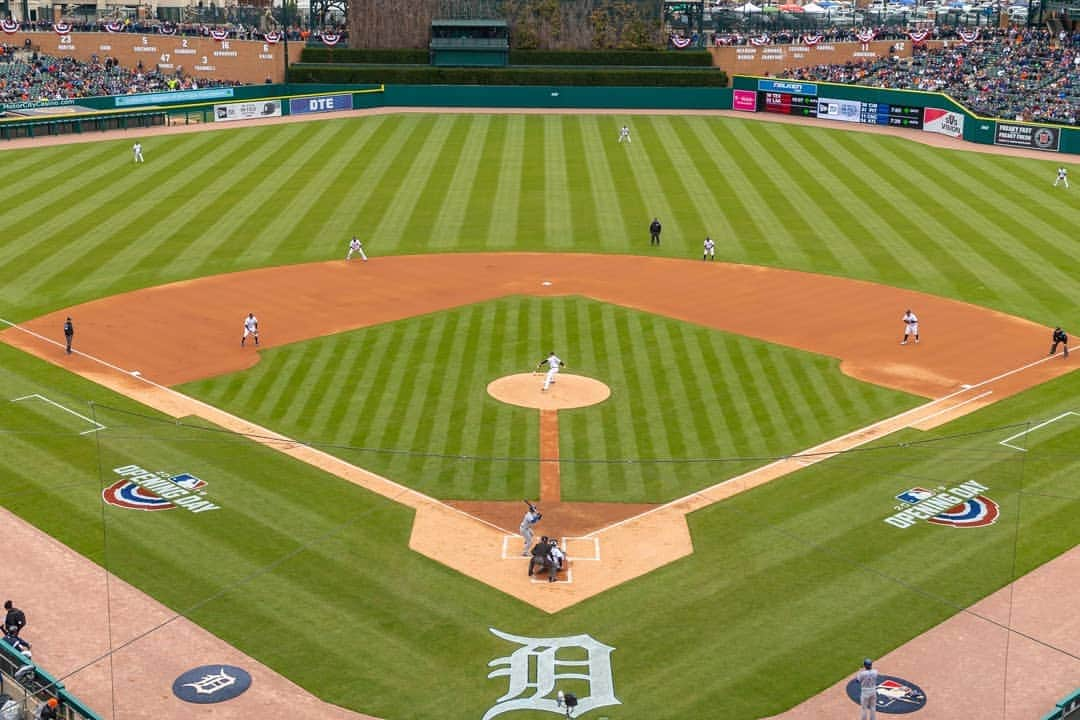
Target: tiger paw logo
(963, 506)
(141, 489)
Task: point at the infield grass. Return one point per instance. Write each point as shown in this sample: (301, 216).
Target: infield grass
(417, 410)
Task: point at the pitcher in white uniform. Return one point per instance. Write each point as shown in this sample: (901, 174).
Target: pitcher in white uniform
(554, 363)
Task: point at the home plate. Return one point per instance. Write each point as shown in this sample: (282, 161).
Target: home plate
(136, 373)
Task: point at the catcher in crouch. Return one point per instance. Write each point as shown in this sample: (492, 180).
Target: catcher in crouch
(553, 363)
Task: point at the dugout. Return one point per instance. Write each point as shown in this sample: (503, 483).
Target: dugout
(475, 43)
(36, 687)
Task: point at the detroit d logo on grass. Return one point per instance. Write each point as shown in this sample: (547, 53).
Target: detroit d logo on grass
(535, 668)
(962, 506)
(146, 490)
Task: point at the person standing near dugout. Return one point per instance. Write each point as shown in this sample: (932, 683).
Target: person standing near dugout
(1059, 337)
(654, 231)
(911, 327)
(868, 682)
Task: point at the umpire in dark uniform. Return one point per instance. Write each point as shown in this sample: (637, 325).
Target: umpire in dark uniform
(540, 553)
(654, 231)
(69, 332)
(1059, 336)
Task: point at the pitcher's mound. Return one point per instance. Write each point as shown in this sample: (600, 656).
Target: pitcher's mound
(568, 391)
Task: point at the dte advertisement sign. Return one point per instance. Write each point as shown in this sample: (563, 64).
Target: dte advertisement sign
(321, 104)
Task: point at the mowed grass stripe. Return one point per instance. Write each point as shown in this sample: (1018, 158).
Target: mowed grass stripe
(558, 213)
(92, 212)
(1018, 235)
(803, 196)
(32, 177)
(502, 230)
(446, 230)
(374, 189)
(168, 228)
(414, 225)
(309, 391)
(286, 228)
(658, 197)
(675, 164)
(532, 212)
(597, 196)
(713, 163)
(926, 228)
(237, 220)
(835, 190)
(379, 425)
(353, 395)
(912, 262)
(1044, 210)
(579, 433)
(969, 230)
(624, 178)
(587, 228)
(295, 376)
(761, 196)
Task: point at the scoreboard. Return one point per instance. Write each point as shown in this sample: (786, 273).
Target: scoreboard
(895, 115)
(788, 103)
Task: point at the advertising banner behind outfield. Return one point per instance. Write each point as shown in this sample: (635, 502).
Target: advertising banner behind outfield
(1028, 136)
(745, 100)
(844, 110)
(322, 104)
(943, 122)
(247, 111)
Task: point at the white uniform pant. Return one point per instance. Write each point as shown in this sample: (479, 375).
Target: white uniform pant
(550, 377)
(911, 329)
(868, 704)
(527, 535)
(359, 250)
(1062, 179)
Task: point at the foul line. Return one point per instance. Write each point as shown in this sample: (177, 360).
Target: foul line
(65, 409)
(950, 408)
(821, 452)
(1007, 444)
(270, 435)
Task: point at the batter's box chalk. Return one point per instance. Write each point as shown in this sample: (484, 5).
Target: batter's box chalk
(581, 548)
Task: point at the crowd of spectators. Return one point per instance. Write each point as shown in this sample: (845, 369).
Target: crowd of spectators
(1015, 73)
(830, 35)
(234, 30)
(30, 77)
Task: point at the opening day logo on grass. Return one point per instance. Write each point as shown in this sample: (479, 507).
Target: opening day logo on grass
(145, 490)
(962, 506)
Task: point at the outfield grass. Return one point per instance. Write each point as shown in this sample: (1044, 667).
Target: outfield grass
(419, 401)
(82, 221)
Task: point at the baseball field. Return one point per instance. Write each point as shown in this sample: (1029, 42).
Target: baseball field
(493, 240)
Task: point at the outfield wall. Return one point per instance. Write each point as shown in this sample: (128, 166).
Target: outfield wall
(200, 105)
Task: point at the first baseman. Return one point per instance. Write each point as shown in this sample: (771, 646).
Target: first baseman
(532, 516)
(554, 363)
(911, 327)
(251, 327)
(355, 246)
(868, 682)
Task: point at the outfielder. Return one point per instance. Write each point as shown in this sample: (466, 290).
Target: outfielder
(355, 246)
(1063, 177)
(1059, 336)
(624, 134)
(136, 149)
(532, 516)
(554, 363)
(911, 327)
(710, 249)
(868, 682)
(251, 327)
